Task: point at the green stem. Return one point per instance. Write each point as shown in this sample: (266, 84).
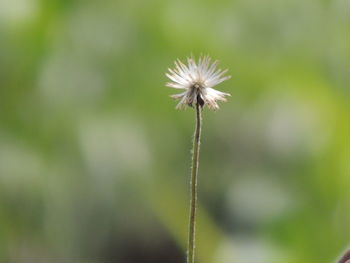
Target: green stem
(194, 175)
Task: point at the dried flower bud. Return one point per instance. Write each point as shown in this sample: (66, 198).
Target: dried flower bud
(197, 79)
(345, 258)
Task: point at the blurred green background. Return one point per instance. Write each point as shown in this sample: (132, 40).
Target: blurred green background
(95, 160)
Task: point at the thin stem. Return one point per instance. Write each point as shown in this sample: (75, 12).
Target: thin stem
(194, 175)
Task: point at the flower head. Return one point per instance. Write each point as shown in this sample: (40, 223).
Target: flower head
(198, 80)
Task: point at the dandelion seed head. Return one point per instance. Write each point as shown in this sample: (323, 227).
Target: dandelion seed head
(197, 79)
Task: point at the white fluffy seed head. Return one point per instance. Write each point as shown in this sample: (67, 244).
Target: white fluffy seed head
(197, 80)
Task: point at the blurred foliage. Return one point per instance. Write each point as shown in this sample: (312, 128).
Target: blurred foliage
(94, 160)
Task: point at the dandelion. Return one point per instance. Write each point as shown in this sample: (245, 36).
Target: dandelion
(198, 80)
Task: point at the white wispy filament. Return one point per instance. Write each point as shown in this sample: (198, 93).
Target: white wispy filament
(198, 80)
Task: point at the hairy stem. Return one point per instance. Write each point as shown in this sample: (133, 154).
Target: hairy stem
(194, 175)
